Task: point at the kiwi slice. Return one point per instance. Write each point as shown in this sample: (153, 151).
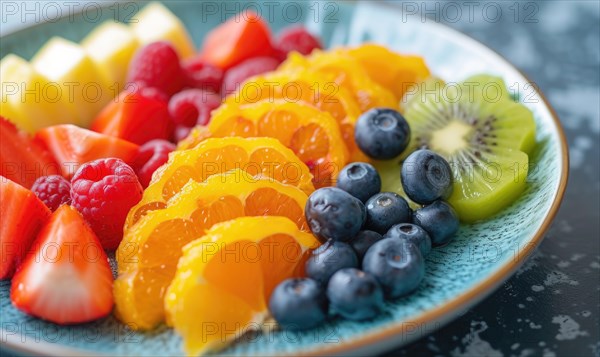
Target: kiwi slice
(485, 136)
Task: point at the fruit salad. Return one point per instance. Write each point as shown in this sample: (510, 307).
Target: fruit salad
(262, 177)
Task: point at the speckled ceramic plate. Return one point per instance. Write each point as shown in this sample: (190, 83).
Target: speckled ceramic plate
(458, 275)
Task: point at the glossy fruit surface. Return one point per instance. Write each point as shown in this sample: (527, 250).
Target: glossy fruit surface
(359, 179)
(426, 177)
(355, 294)
(382, 133)
(299, 304)
(330, 257)
(440, 221)
(413, 234)
(384, 210)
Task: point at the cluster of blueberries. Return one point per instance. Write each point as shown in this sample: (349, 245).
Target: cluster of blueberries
(374, 245)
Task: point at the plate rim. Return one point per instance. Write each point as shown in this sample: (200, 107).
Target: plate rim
(373, 341)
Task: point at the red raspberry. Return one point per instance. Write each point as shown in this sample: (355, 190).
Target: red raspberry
(203, 75)
(295, 38)
(156, 65)
(250, 67)
(181, 132)
(150, 157)
(53, 190)
(192, 107)
(103, 191)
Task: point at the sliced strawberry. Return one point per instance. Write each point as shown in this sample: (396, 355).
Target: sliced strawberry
(243, 36)
(136, 117)
(23, 159)
(23, 215)
(66, 279)
(73, 146)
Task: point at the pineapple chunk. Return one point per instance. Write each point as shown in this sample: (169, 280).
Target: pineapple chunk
(82, 84)
(156, 23)
(29, 99)
(111, 46)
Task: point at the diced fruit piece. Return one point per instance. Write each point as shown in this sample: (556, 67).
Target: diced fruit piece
(345, 71)
(330, 257)
(334, 214)
(426, 177)
(484, 137)
(256, 156)
(236, 75)
(155, 23)
(136, 116)
(222, 280)
(363, 241)
(192, 107)
(155, 242)
(29, 99)
(73, 146)
(53, 190)
(23, 159)
(313, 135)
(111, 46)
(295, 38)
(150, 157)
(156, 65)
(439, 220)
(23, 215)
(203, 75)
(299, 304)
(397, 264)
(242, 37)
(382, 133)
(70, 286)
(103, 191)
(355, 294)
(413, 234)
(80, 81)
(359, 179)
(310, 88)
(386, 209)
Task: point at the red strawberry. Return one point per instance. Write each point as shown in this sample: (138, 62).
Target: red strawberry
(23, 215)
(156, 65)
(67, 278)
(295, 38)
(250, 67)
(22, 158)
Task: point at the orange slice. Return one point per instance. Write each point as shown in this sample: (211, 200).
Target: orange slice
(345, 71)
(396, 72)
(224, 279)
(309, 88)
(264, 156)
(150, 249)
(313, 135)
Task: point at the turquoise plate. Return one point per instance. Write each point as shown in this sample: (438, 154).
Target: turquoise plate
(459, 275)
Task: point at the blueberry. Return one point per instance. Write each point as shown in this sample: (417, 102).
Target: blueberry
(299, 304)
(412, 233)
(397, 264)
(334, 214)
(426, 177)
(439, 220)
(354, 294)
(382, 133)
(386, 209)
(330, 257)
(363, 241)
(359, 179)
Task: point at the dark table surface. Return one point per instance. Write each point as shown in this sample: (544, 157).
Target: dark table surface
(551, 306)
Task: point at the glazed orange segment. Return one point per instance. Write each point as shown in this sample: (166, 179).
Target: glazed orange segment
(225, 278)
(394, 71)
(257, 156)
(313, 135)
(345, 71)
(307, 87)
(150, 249)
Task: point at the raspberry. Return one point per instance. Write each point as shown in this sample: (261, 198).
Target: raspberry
(181, 132)
(156, 65)
(103, 191)
(150, 157)
(295, 38)
(53, 190)
(250, 67)
(203, 75)
(192, 107)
